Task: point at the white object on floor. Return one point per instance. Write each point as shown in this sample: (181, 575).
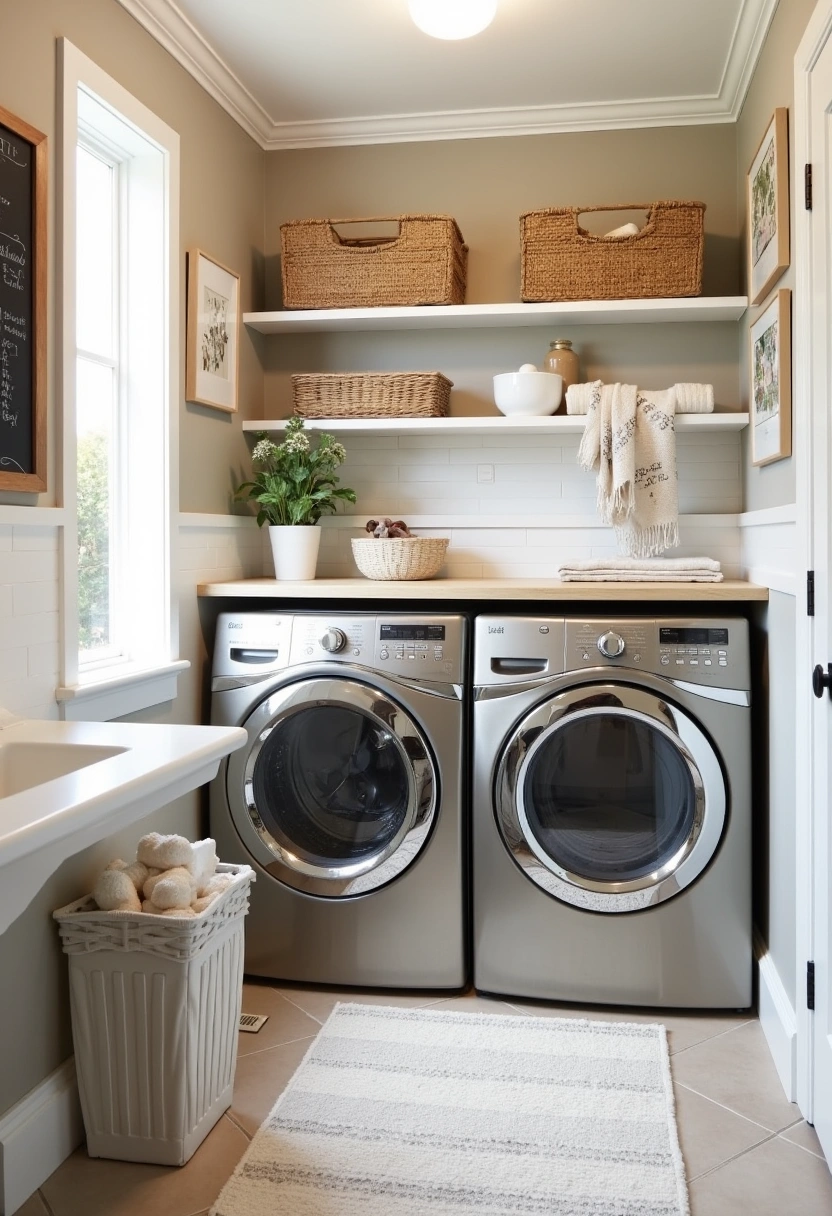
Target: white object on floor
(398, 1111)
(642, 570)
(630, 441)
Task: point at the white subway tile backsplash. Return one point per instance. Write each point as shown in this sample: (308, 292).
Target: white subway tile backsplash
(35, 538)
(6, 539)
(35, 597)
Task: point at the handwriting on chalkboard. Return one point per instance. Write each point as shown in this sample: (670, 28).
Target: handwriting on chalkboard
(16, 303)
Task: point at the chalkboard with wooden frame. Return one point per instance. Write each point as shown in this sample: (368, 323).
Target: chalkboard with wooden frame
(23, 180)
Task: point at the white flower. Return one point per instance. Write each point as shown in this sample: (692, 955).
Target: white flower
(296, 443)
(263, 450)
(339, 452)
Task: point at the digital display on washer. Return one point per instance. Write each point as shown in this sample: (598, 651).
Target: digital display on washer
(412, 633)
(693, 637)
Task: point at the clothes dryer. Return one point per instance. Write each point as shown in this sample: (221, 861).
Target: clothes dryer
(347, 799)
(612, 810)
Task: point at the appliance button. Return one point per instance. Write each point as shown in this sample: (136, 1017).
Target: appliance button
(694, 662)
(611, 645)
(411, 656)
(423, 656)
(333, 640)
(723, 662)
(399, 656)
(544, 628)
(585, 656)
(709, 662)
(723, 654)
(664, 660)
(383, 654)
(636, 658)
(681, 662)
(356, 652)
(309, 650)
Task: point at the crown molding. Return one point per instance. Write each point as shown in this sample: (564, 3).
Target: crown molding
(171, 28)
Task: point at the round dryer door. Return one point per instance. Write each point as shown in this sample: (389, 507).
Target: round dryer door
(336, 791)
(610, 798)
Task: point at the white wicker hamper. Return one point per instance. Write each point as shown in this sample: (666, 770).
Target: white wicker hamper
(155, 1004)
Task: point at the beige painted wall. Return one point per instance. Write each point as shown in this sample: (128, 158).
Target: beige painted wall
(486, 184)
(772, 86)
(222, 182)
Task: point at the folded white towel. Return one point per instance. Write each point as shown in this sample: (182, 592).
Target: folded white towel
(641, 570)
(578, 396)
(690, 398)
(694, 398)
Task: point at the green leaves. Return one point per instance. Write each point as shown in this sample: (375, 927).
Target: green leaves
(295, 484)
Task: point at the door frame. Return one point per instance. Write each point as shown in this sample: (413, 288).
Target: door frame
(816, 35)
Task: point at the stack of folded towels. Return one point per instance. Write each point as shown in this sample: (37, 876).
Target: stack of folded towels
(642, 570)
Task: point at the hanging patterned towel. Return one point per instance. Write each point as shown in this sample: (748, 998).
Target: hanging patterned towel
(630, 440)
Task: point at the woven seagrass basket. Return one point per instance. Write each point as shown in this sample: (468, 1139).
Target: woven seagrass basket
(400, 559)
(425, 264)
(372, 395)
(560, 260)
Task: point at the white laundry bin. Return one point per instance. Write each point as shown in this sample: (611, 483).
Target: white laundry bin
(155, 1004)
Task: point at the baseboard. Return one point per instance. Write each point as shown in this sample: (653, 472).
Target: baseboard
(37, 1134)
(777, 1019)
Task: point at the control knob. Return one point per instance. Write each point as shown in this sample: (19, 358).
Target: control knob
(611, 645)
(333, 640)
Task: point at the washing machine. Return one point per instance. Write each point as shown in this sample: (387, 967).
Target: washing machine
(347, 799)
(612, 810)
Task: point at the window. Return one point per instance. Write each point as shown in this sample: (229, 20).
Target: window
(120, 394)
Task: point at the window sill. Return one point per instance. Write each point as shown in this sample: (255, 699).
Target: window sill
(125, 691)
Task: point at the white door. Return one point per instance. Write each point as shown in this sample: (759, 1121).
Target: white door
(813, 78)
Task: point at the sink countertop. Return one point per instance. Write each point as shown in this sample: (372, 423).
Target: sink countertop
(492, 590)
(42, 825)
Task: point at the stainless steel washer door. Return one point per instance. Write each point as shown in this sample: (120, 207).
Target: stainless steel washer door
(610, 798)
(336, 791)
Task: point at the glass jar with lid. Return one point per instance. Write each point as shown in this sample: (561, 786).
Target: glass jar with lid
(563, 360)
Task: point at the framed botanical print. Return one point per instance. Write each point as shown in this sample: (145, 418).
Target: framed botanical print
(213, 339)
(768, 208)
(771, 382)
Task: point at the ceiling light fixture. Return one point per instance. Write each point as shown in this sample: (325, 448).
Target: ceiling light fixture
(452, 19)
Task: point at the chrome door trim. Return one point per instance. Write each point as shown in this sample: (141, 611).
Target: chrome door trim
(728, 696)
(351, 878)
(645, 706)
(452, 692)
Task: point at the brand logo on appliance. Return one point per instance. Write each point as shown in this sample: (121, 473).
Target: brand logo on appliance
(235, 624)
(496, 629)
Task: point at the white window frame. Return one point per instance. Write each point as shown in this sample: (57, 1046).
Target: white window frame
(147, 676)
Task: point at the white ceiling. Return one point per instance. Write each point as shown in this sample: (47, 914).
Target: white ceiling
(312, 73)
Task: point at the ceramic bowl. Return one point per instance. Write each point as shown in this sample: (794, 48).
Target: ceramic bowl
(532, 393)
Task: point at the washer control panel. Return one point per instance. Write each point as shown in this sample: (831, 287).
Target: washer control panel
(696, 652)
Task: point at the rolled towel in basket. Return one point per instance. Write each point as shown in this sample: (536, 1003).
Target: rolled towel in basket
(642, 570)
(578, 396)
(694, 398)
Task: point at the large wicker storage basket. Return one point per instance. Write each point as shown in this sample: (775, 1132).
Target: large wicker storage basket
(372, 395)
(560, 260)
(425, 264)
(155, 1004)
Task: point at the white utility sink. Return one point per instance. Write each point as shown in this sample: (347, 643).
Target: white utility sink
(25, 765)
(65, 785)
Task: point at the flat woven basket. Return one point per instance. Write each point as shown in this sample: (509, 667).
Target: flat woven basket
(400, 559)
(372, 395)
(425, 264)
(560, 260)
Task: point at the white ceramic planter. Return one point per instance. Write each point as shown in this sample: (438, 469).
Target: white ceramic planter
(295, 551)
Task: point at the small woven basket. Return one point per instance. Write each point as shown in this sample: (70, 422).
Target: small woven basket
(372, 395)
(425, 264)
(560, 260)
(400, 559)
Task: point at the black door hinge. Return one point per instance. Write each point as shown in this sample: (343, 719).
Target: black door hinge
(810, 985)
(807, 186)
(810, 593)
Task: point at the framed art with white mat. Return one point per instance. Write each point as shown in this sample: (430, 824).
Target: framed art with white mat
(771, 381)
(768, 208)
(213, 337)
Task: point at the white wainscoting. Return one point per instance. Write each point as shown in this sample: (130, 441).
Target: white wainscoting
(29, 611)
(777, 1019)
(37, 1134)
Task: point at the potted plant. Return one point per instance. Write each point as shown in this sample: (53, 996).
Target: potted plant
(295, 484)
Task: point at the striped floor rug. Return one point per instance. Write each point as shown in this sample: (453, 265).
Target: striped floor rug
(422, 1112)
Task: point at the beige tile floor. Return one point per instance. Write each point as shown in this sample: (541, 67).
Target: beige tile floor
(746, 1148)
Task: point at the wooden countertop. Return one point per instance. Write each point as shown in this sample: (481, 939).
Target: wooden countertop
(500, 589)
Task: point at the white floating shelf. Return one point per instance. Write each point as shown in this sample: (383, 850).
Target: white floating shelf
(563, 424)
(491, 316)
